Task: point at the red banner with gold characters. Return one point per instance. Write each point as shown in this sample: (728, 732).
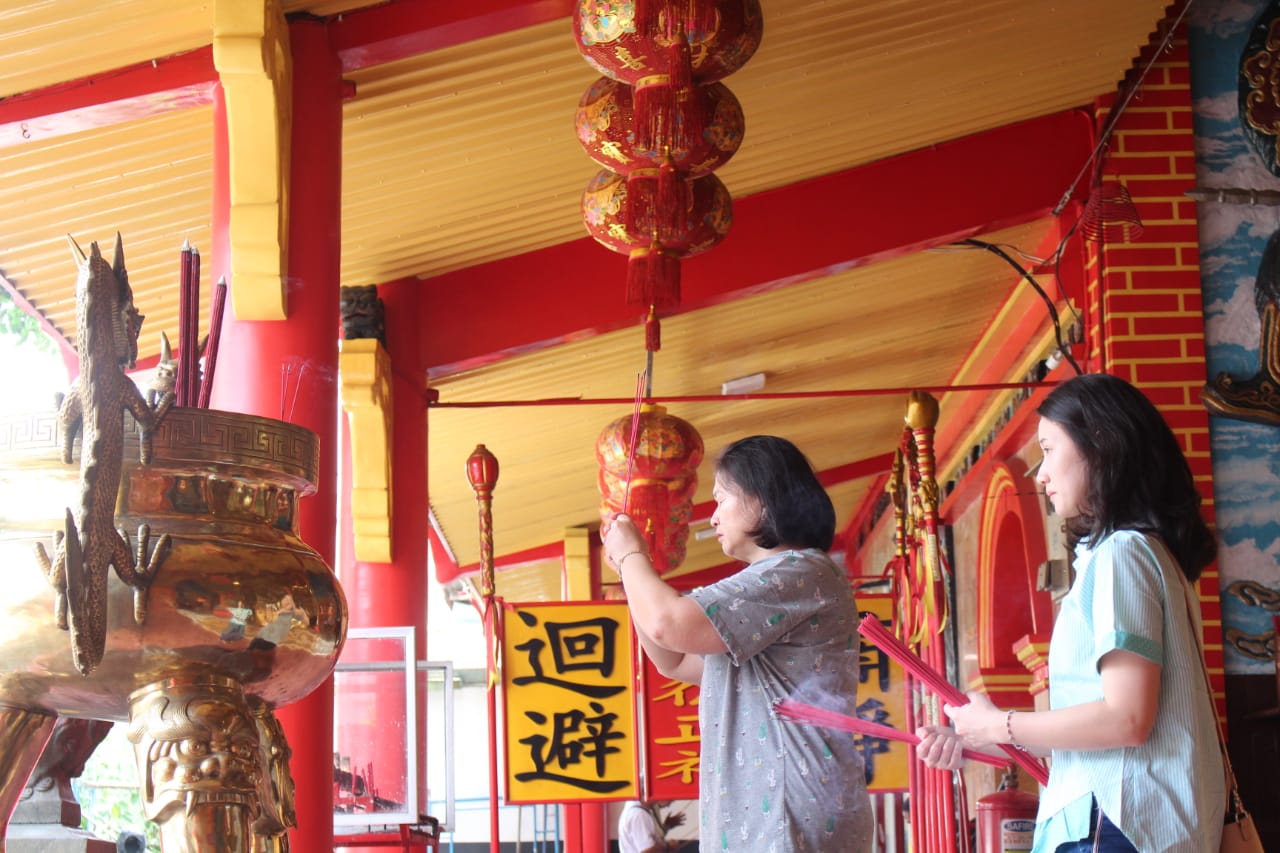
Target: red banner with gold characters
(669, 709)
(882, 698)
(569, 718)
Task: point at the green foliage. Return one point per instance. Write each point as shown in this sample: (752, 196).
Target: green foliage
(21, 326)
(110, 802)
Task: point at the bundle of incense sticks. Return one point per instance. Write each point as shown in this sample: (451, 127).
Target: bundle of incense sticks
(871, 628)
(799, 712)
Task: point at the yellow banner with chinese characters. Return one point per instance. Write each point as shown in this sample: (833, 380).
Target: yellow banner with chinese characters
(570, 723)
(882, 698)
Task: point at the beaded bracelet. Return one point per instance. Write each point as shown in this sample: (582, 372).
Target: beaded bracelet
(618, 562)
(1008, 729)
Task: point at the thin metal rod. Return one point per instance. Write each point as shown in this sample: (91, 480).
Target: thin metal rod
(720, 398)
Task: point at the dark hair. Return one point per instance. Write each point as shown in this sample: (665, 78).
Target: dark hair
(796, 510)
(1138, 477)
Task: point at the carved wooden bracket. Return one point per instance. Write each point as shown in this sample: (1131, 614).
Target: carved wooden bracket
(365, 371)
(255, 67)
(1006, 686)
(1033, 651)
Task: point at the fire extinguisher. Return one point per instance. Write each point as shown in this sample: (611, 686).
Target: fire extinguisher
(1007, 818)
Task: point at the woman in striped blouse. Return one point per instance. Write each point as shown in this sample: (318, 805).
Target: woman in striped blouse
(1130, 727)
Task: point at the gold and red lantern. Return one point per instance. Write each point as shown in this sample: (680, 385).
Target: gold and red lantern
(627, 214)
(624, 215)
(630, 40)
(666, 49)
(661, 123)
(605, 121)
(663, 478)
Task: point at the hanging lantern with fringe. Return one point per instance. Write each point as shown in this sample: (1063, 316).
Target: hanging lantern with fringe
(630, 40)
(605, 121)
(661, 121)
(663, 479)
(627, 217)
(664, 48)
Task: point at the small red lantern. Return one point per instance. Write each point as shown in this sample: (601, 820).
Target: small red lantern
(630, 40)
(625, 214)
(605, 122)
(608, 197)
(664, 478)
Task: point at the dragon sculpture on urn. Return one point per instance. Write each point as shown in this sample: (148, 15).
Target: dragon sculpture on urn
(107, 326)
(199, 666)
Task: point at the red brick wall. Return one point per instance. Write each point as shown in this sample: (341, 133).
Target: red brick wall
(1145, 319)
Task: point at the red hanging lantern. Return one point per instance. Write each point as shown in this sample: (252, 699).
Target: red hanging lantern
(664, 478)
(663, 125)
(605, 121)
(663, 48)
(623, 215)
(630, 40)
(629, 216)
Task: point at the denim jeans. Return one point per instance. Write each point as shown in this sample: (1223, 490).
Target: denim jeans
(1104, 838)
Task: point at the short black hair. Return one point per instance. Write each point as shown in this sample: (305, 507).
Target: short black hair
(1139, 478)
(796, 510)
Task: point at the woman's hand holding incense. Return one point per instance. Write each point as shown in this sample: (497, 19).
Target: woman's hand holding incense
(940, 747)
(979, 723)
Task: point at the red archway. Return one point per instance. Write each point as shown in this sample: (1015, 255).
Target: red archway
(1011, 549)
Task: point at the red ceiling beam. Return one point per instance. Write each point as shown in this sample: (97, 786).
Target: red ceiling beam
(147, 89)
(784, 236)
(405, 28)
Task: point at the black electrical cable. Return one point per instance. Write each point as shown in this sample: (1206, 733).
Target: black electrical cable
(1053, 310)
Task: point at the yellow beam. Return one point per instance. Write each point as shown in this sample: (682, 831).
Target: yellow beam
(251, 55)
(365, 371)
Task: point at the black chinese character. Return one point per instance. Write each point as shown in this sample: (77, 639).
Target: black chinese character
(574, 736)
(587, 645)
(873, 711)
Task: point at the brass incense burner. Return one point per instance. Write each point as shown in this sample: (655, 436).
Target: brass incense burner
(239, 616)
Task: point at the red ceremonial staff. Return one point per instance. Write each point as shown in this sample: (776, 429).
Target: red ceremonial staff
(482, 471)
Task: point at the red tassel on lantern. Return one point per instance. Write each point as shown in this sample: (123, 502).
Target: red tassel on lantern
(655, 111)
(652, 332)
(653, 276)
(679, 61)
(672, 201)
(647, 15)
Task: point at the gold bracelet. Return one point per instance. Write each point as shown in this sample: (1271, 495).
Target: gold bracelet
(618, 562)
(1008, 729)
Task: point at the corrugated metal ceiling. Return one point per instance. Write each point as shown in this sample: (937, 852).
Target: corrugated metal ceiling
(467, 154)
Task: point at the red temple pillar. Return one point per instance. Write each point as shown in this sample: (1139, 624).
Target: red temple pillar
(287, 368)
(595, 828)
(395, 593)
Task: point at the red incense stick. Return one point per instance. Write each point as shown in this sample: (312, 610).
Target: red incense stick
(191, 334)
(215, 333)
(799, 712)
(180, 387)
(871, 628)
